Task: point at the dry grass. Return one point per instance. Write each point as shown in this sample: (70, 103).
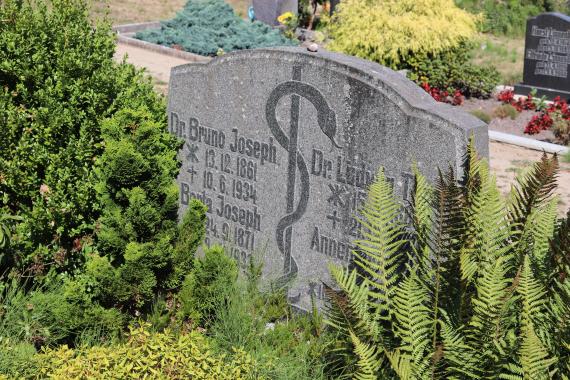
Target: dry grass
(505, 53)
(133, 11)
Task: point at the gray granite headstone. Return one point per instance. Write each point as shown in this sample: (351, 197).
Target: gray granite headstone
(267, 11)
(281, 144)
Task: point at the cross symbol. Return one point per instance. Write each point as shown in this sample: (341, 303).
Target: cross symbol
(335, 218)
(192, 150)
(192, 172)
(336, 192)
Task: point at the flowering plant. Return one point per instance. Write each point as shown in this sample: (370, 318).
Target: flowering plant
(450, 96)
(290, 22)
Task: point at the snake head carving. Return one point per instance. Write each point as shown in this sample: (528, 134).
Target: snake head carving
(328, 126)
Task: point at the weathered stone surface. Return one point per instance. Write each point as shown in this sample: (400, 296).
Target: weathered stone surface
(281, 145)
(267, 11)
(547, 55)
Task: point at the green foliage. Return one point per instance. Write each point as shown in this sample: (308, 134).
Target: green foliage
(59, 314)
(290, 347)
(472, 287)
(17, 359)
(208, 286)
(452, 70)
(5, 230)
(205, 26)
(431, 39)
(58, 84)
(481, 115)
(137, 232)
(506, 110)
(390, 32)
(149, 355)
(509, 17)
(566, 157)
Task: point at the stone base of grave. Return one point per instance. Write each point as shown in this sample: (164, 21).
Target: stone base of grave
(550, 94)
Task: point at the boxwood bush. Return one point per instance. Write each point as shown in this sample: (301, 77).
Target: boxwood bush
(206, 26)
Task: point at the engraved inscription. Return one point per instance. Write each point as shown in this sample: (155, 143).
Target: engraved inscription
(223, 174)
(552, 53)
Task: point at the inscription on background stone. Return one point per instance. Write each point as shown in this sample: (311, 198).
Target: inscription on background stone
(267, 11)
(281, 145)
(547, 56)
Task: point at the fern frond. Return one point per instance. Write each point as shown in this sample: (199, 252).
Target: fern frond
(487, 230)
(536, 237)
(559, 292)
(413, 322)
(401, 364)
(533, 296)
(378, 255)
(422, 217)
(535, 358)
(460, 359)
(368, 360)
(354, 306)
(489, 324)
(533, 189)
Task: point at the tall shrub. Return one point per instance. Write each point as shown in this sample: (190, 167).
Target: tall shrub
(474, 287)
(430, 38)
(58, 83)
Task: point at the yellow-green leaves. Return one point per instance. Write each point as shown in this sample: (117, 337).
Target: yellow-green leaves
(148, 356)
(390, 31)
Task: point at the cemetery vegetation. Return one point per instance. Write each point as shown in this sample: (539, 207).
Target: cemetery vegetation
(467, 286)
(94, 265)
(554, 116)
(481, 115)
(509, 17)
(210, 27)
(431, 39)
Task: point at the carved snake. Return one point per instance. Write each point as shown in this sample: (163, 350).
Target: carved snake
(327, 122)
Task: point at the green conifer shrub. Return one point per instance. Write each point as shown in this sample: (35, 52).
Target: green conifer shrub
(205, 27)
(208, 286)
(473, 287)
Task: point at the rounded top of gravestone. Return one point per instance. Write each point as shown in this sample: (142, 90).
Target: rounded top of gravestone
(556, 15)
(396, 86)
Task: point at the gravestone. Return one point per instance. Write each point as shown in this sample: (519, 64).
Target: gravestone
(546, 56)
(267, 11)
(334, 4)
(281, 145)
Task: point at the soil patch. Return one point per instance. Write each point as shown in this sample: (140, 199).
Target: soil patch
(507, 125)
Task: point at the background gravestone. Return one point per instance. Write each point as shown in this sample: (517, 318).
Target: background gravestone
(281, 144)
(546, 56)
(267, 11)
(334, 4)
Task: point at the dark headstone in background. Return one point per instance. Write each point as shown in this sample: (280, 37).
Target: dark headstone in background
(334, 3)
(282, 144)
(547, 56)
(267, 11)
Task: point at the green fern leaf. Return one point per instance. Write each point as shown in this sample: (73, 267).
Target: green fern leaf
(378, 255)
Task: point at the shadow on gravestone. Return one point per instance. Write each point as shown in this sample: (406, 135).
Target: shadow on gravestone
(281, 145)
(267, 11)
(546, 56)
